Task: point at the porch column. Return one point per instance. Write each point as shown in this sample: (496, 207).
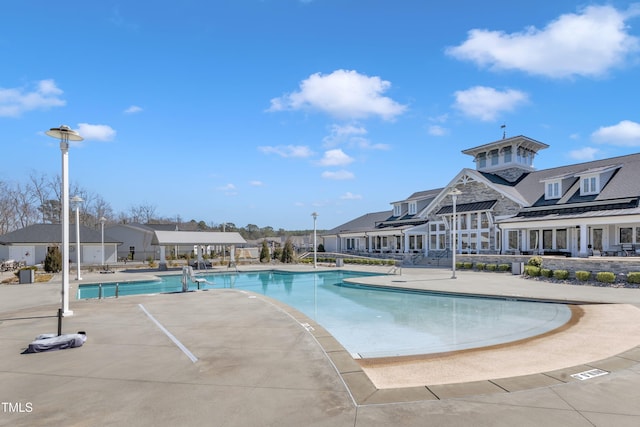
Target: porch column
(583, 241)
(162, 264)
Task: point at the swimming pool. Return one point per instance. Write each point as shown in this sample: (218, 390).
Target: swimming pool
(380, 322)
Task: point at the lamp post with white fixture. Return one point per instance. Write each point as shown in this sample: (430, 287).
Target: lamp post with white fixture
(454, 240)
(102, 221)
(315, 246)
(77, 200)
(65, 134)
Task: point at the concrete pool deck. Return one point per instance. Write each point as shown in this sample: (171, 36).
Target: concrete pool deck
(262, 363)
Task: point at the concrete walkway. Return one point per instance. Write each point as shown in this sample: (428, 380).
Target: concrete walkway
(226, 357)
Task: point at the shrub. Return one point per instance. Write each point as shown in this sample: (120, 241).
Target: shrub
(583, 276)
(459, 265)
(504, 267)
(492, 267)
(467, 265)
(605, 277)
(535, 261)
(264, 252)
(532, 270)
(633, 277)
(561, 274)
(53, 260)
(480, 265)
(545, 272)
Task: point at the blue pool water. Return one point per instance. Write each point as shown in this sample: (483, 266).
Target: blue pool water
(374, 322)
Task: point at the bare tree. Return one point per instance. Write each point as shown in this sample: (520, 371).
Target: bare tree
(24, 206)
(40, 188)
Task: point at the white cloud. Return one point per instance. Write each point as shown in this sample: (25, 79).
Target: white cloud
(344, 94)
(342, 133)
(486, 103)
(14, 102)
(351, 135)
(338, 175)
(588, 43)
(133, 110)
(350, 196)
(256, 183)
(299, 151)
(228, 189)
(625, 134)
(365, 144)
(96, 132)
(584, 154)
(335, 157)
(437, 130)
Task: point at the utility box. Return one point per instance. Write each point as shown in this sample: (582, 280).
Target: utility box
(517, 267)
(339, 262)
(26, 275)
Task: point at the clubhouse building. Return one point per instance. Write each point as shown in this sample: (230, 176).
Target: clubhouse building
(506, 206)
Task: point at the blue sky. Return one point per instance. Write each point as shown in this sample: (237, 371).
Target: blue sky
(262, 112)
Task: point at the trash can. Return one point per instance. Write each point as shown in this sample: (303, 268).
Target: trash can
(517, 267)
(339, 262)
(26, 275)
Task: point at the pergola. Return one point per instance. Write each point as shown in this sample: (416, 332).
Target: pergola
(196, 238)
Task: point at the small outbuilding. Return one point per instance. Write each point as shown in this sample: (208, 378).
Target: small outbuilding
(29, 244)
(198, 239)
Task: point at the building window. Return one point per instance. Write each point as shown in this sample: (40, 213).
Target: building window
(513, 239)
(437, 237)
(484, 240)
(493, 154)
(397, 209)
(482, 160)
(589, 185)
(561, 239)
(506, 152)
(626, 235)
(533, 239)
(553, 190)
(547, 239)
(413, 208)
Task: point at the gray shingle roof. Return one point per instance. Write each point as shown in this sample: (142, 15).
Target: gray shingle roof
(363, 223)
(52, 233)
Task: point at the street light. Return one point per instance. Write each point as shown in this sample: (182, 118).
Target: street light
(102, 221)
(315, 247)
(77, 200)
(65, 134)
(454, 195)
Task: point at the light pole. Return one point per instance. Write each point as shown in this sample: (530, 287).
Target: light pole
(454, 240)
(65, 134)
(76, 200)
(102, 221)
(315, 246)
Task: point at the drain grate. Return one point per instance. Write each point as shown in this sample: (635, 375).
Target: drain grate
(586, 375)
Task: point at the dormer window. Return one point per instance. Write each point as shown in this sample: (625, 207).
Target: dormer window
(506, 153)
(482, 160)
(553, 190)
(590, 185)
(413, 208)
(493, 154)
(397, 210)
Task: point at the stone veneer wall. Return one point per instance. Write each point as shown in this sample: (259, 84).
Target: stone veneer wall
(593, 264)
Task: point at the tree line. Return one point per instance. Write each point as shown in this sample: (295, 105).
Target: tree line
(39, 201)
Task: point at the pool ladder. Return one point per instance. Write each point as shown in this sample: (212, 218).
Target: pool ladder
(395, 270)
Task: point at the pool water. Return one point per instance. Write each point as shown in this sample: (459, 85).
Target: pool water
(380, 322)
